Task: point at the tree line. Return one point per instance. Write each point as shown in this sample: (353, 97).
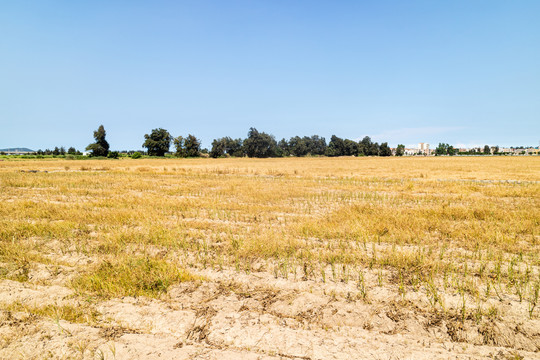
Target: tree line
(262, 145)
(257, 144)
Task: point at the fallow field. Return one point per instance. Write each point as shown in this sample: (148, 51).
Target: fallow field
(296, 258)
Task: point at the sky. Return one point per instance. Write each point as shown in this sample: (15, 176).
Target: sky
(461, 72)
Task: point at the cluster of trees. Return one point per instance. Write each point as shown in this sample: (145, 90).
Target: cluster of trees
(445, 149)
(257, 144)
(59, 151)
(365, 147)
(260, 144)
(159, 141)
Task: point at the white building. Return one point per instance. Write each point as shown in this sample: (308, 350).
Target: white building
(424, 148)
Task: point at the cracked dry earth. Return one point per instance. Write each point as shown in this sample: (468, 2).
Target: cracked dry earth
(235, 315)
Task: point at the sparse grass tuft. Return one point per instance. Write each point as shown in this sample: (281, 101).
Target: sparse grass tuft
(131, 276)
(82, 313)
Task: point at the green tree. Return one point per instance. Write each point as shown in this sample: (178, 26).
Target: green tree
(374, 149)
(260, 144)
(283, 148)
(298, 146)
(336, 146)
(234, 147)
(226, 146)
(101, 146)
(367, 147)
(158, 142)
(316, 145)
(193, 146)
(400, 150)
(442, 149)
(384, 150)
(445, 149)
(218, 148)
(350, 148)
(179, 145)
(487, 150)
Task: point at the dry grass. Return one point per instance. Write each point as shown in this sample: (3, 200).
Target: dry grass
(131, 276)
(469, 226)
(75, 314)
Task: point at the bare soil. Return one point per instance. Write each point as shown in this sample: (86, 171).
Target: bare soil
(236, 315)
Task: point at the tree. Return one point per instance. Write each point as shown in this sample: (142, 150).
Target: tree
(442, 149)
(316, 145)
(350, 148)
(445, 149)
(384, 150)
(260, 144)
(367, 147)
(218, 148)
(158, 142)
(336, 146)
(400, 150)
(487, 150)
(72, 151)
(193, 146)
(283, 148)
(101, 146)
(364, 147)
(298, 146)
(234, 147)
(179, 145)
(226, 146)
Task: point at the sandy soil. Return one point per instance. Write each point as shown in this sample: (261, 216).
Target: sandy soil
(236, 315)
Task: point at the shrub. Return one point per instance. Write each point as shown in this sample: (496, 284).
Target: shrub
(136, 155)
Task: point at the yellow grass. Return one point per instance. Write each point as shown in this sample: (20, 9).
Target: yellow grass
(467, 224)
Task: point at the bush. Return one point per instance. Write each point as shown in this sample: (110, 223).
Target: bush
(136, 155)
(113, 155)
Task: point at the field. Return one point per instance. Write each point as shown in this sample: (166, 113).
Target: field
(297, 258)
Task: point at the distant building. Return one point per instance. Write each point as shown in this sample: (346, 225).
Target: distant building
(424, 148)
(17, 152)
(410, 152)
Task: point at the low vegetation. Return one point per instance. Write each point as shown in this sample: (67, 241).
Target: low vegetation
(461, 235)
(131, 276)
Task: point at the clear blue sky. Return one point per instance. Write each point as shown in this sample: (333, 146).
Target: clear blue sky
(463, 72)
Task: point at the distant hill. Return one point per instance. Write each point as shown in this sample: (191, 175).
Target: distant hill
(17, 150)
